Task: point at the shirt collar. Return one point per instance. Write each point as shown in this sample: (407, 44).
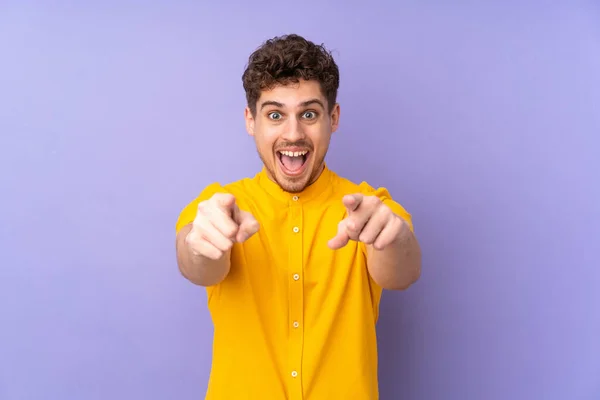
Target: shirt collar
(317, 190)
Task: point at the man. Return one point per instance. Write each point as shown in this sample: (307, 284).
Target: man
(294, 259)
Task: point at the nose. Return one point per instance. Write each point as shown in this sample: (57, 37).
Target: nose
(293, 130)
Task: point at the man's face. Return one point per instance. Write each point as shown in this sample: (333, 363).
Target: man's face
(292, 129)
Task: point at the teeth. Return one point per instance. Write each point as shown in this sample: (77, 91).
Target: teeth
(294, 153)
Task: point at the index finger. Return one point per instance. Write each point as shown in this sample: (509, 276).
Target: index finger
(225, 202)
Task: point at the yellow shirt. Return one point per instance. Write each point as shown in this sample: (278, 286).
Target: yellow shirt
(294, 319)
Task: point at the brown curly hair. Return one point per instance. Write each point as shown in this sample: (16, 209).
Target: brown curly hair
(287, 59)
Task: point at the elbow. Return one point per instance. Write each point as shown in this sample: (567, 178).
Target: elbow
(201, 278)
(194, 279)
(407, 270)
(401, 284)
(409, 276)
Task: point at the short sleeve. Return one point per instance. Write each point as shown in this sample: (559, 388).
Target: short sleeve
(188, 214)
(384, 195)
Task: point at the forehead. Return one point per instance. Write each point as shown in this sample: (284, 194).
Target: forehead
(293, 94)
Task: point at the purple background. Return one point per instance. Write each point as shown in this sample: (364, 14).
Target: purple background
(482, 120)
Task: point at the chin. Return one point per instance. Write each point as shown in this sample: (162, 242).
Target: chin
(292, 185)
(300, 172)
(293, 170)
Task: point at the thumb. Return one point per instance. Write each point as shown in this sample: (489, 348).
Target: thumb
(341, 239)
(352, 201)
(248, 226)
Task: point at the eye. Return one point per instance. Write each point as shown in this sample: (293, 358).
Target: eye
(275, 116)
(310, 115)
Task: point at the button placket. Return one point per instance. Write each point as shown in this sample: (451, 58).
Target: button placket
(296, 300)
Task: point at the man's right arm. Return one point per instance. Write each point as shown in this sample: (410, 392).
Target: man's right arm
(204, 246)
(197, 268)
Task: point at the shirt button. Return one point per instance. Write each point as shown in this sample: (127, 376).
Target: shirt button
(296, 277)
(295, 198)
(294, 374)
(296, 229)
(296, 324)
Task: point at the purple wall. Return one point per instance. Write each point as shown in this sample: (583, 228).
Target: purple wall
(484, 121)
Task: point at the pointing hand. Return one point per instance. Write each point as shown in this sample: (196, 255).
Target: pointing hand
(218, 224)
(368, 221)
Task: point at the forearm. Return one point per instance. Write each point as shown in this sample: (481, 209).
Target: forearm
(398, 265)
(198, 269)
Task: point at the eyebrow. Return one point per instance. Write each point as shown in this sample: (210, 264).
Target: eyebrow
(271, 103)
(280, 105)
(312, 101)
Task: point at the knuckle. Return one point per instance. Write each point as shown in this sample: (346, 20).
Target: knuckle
(225, 227)
(374, 200)
(366, 239)
(217, 197)
(379, 244)
(216, 254)
(204, 249)
(189, 239)
(212, 255)
(194, 235)
(198, 224)
(353, 229)
(214, 200)
(203, 207)
(195, 246)
(231, 232)
(385, 211)
(223, 242)
(380, 208)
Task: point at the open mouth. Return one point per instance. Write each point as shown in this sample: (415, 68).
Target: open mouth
(293, 162)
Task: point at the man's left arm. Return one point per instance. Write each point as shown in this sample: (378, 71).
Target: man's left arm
(397, 265)
(393, 251)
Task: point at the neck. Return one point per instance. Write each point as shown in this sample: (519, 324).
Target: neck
(312, 180)
(317, 175)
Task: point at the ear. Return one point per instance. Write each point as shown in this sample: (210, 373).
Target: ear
(335, 117)
(249, 121)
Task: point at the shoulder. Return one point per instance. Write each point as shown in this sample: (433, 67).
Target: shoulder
(238, 189)
(343, 186)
